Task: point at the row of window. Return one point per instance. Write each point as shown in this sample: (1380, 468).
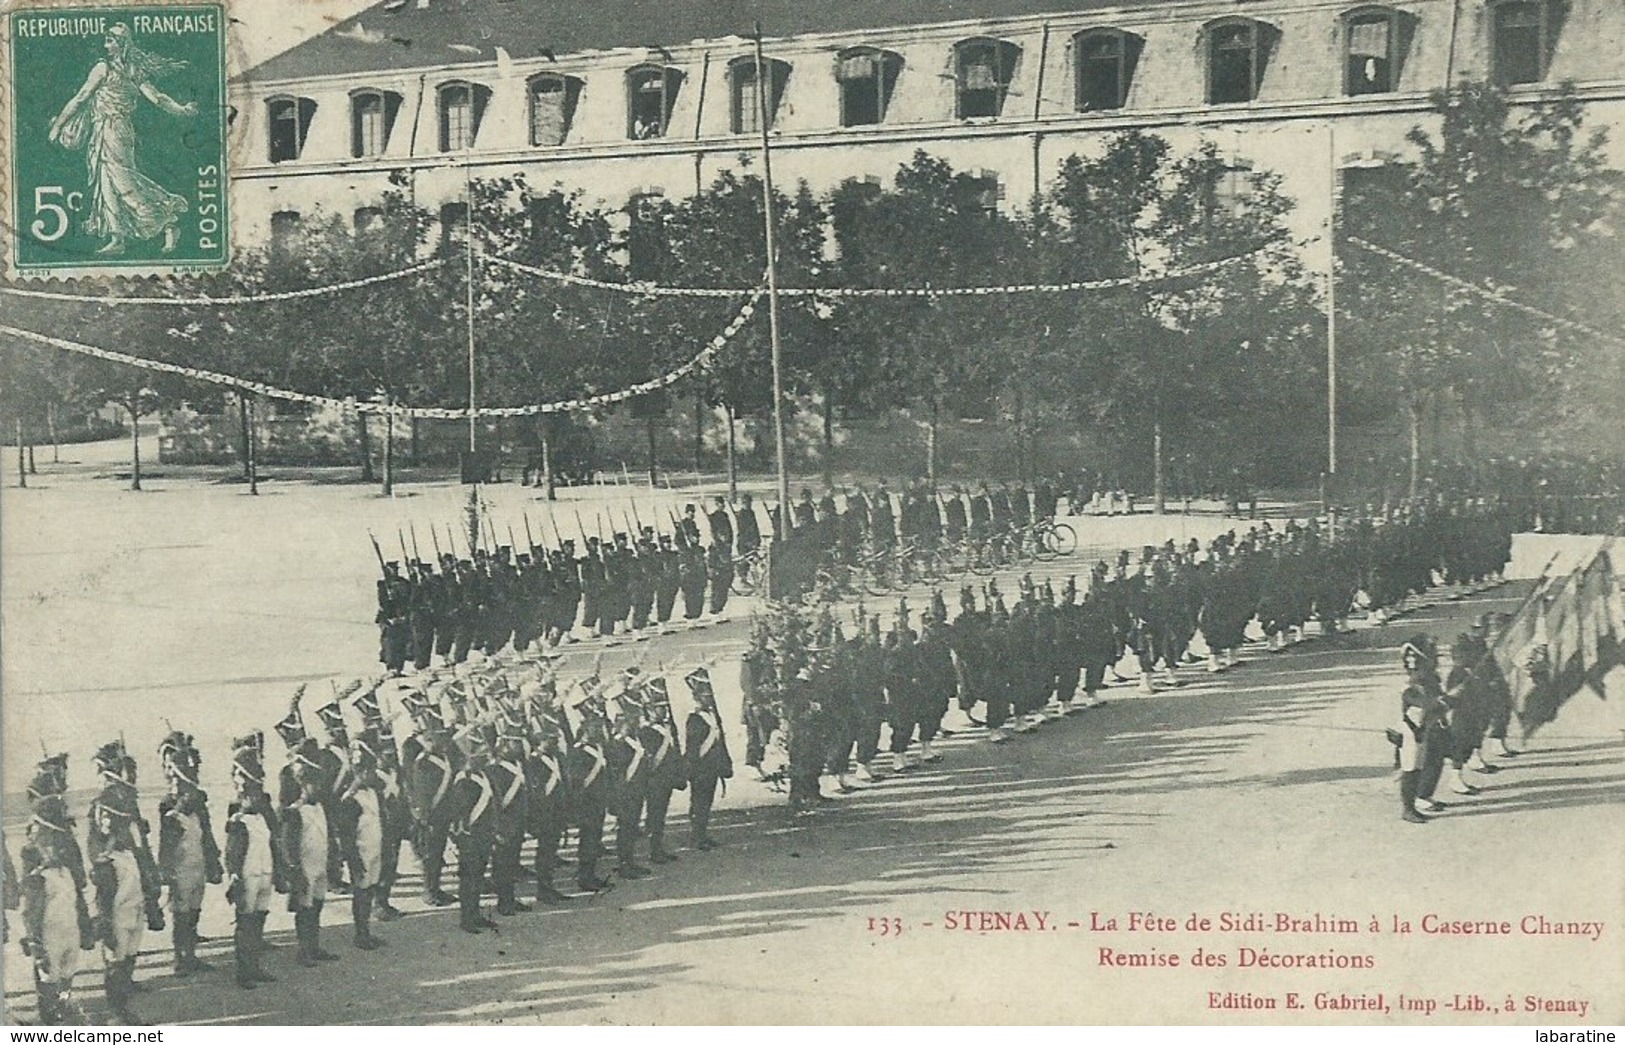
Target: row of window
(1237, 52)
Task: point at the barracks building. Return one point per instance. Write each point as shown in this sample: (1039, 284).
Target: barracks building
(630, 99)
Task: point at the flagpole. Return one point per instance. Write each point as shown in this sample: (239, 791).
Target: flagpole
(1331, 305)
(468, 304)
(772, 287)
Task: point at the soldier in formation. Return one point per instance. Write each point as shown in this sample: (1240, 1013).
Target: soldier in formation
(503, 754)
(822, 697)
(492, 601)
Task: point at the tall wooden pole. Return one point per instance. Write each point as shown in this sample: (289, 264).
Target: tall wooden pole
(468, 305)
(1331, 304)
(1329, 495)
(772, 286)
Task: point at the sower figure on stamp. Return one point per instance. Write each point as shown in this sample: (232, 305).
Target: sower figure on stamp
(125, 204)
(56, 921)
(188, 855)
(254, 871)
(706, 753)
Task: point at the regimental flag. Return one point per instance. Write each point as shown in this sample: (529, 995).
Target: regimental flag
(1520, 645)
(1565, 640)
(1563, 623)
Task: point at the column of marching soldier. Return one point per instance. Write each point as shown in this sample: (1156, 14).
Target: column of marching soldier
(817, 699)
(497, 755)
(495, 599)
(490, 763)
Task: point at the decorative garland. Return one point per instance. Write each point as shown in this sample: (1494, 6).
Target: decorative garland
(654, 290)
(272, 392)
(1484, 292)
(230, 299)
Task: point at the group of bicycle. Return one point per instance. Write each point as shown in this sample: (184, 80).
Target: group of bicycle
(876, 541)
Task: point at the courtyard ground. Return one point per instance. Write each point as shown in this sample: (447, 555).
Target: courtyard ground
(1266, 791)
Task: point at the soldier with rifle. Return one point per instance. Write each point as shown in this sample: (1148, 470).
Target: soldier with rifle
(188, 855)
(56, 920)
(705, 752)
(667, 771)
(430, 764)
(254, 866)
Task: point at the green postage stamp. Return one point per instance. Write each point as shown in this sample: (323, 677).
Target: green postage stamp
(117, 143)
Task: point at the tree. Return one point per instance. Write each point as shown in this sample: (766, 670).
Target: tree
(1189, 359)
(543, 341)
(1506, 202)
(716, 239)
(935, 226)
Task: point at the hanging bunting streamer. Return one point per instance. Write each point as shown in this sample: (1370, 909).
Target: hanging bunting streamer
(653, 290)
(259, 388)
(1483, 292)
(231, 299)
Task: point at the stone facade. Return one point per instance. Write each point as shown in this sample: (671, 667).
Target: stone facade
(1317, 86)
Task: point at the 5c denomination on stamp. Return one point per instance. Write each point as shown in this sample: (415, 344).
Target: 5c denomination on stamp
(117, 157)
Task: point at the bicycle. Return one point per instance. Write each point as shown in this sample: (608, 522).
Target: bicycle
(750, 573)
(1054, 539)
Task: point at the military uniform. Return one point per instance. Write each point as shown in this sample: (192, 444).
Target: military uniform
(589, 774)
(549, 805)
(254, 868)
(305, 844)
(188, 854)
(360, 826)
(56, 920)
(667, 772)
(510, 791)
(430, 764)
(705, 752)
(629, 784)
(394, 627)
(474, 816)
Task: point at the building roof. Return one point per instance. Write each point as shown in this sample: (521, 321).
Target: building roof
(410, 34)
